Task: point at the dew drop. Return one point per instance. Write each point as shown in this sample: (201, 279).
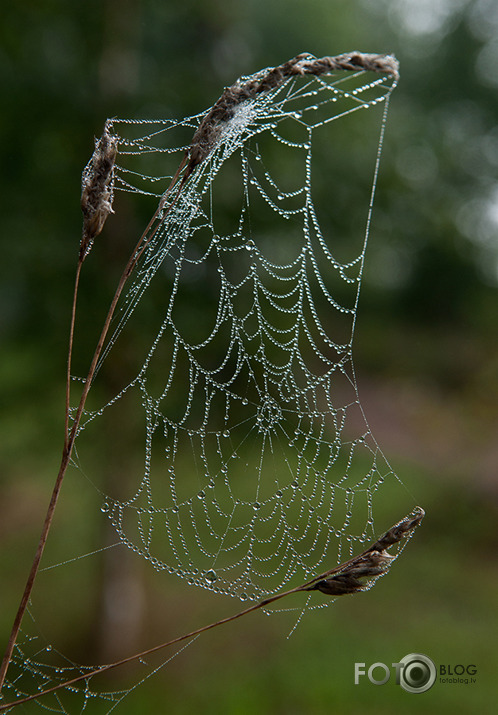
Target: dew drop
(279, 494)
(226, 433)
(105, 507)
(210, 576)
(202, 494)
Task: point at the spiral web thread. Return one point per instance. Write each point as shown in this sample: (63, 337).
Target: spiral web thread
(259, 470)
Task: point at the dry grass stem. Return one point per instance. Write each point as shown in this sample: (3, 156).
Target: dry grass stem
(370, 564)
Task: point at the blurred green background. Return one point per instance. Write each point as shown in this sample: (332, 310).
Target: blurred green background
(425, 344)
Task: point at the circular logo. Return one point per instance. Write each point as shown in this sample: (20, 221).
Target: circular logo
(418, 673)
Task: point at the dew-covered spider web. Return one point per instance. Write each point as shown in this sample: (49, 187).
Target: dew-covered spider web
(231, 351)
(259, 466)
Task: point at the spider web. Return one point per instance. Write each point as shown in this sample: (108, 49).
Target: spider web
(259, 464)
(259, 469)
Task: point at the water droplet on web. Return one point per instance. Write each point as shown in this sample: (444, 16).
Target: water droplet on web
(245, 401)
(210, 576)
(105, 507)
(256, 505)
(226, 433)
(279, 494)
(243, 596)
(201, 494)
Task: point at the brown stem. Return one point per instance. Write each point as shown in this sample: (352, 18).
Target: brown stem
(70, 350)
(400, 530)
(69, 437)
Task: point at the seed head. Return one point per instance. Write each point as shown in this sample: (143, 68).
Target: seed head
(96, 190)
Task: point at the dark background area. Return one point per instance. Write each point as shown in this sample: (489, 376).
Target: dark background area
(425, 345)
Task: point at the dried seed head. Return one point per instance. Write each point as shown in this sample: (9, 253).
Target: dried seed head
(96, 193)
(208, 132)
(356, 576)
(400, 530)
(359, 573)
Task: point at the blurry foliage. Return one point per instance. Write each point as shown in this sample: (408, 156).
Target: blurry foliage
(432, 263)
(65, 67)
(428, 300)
